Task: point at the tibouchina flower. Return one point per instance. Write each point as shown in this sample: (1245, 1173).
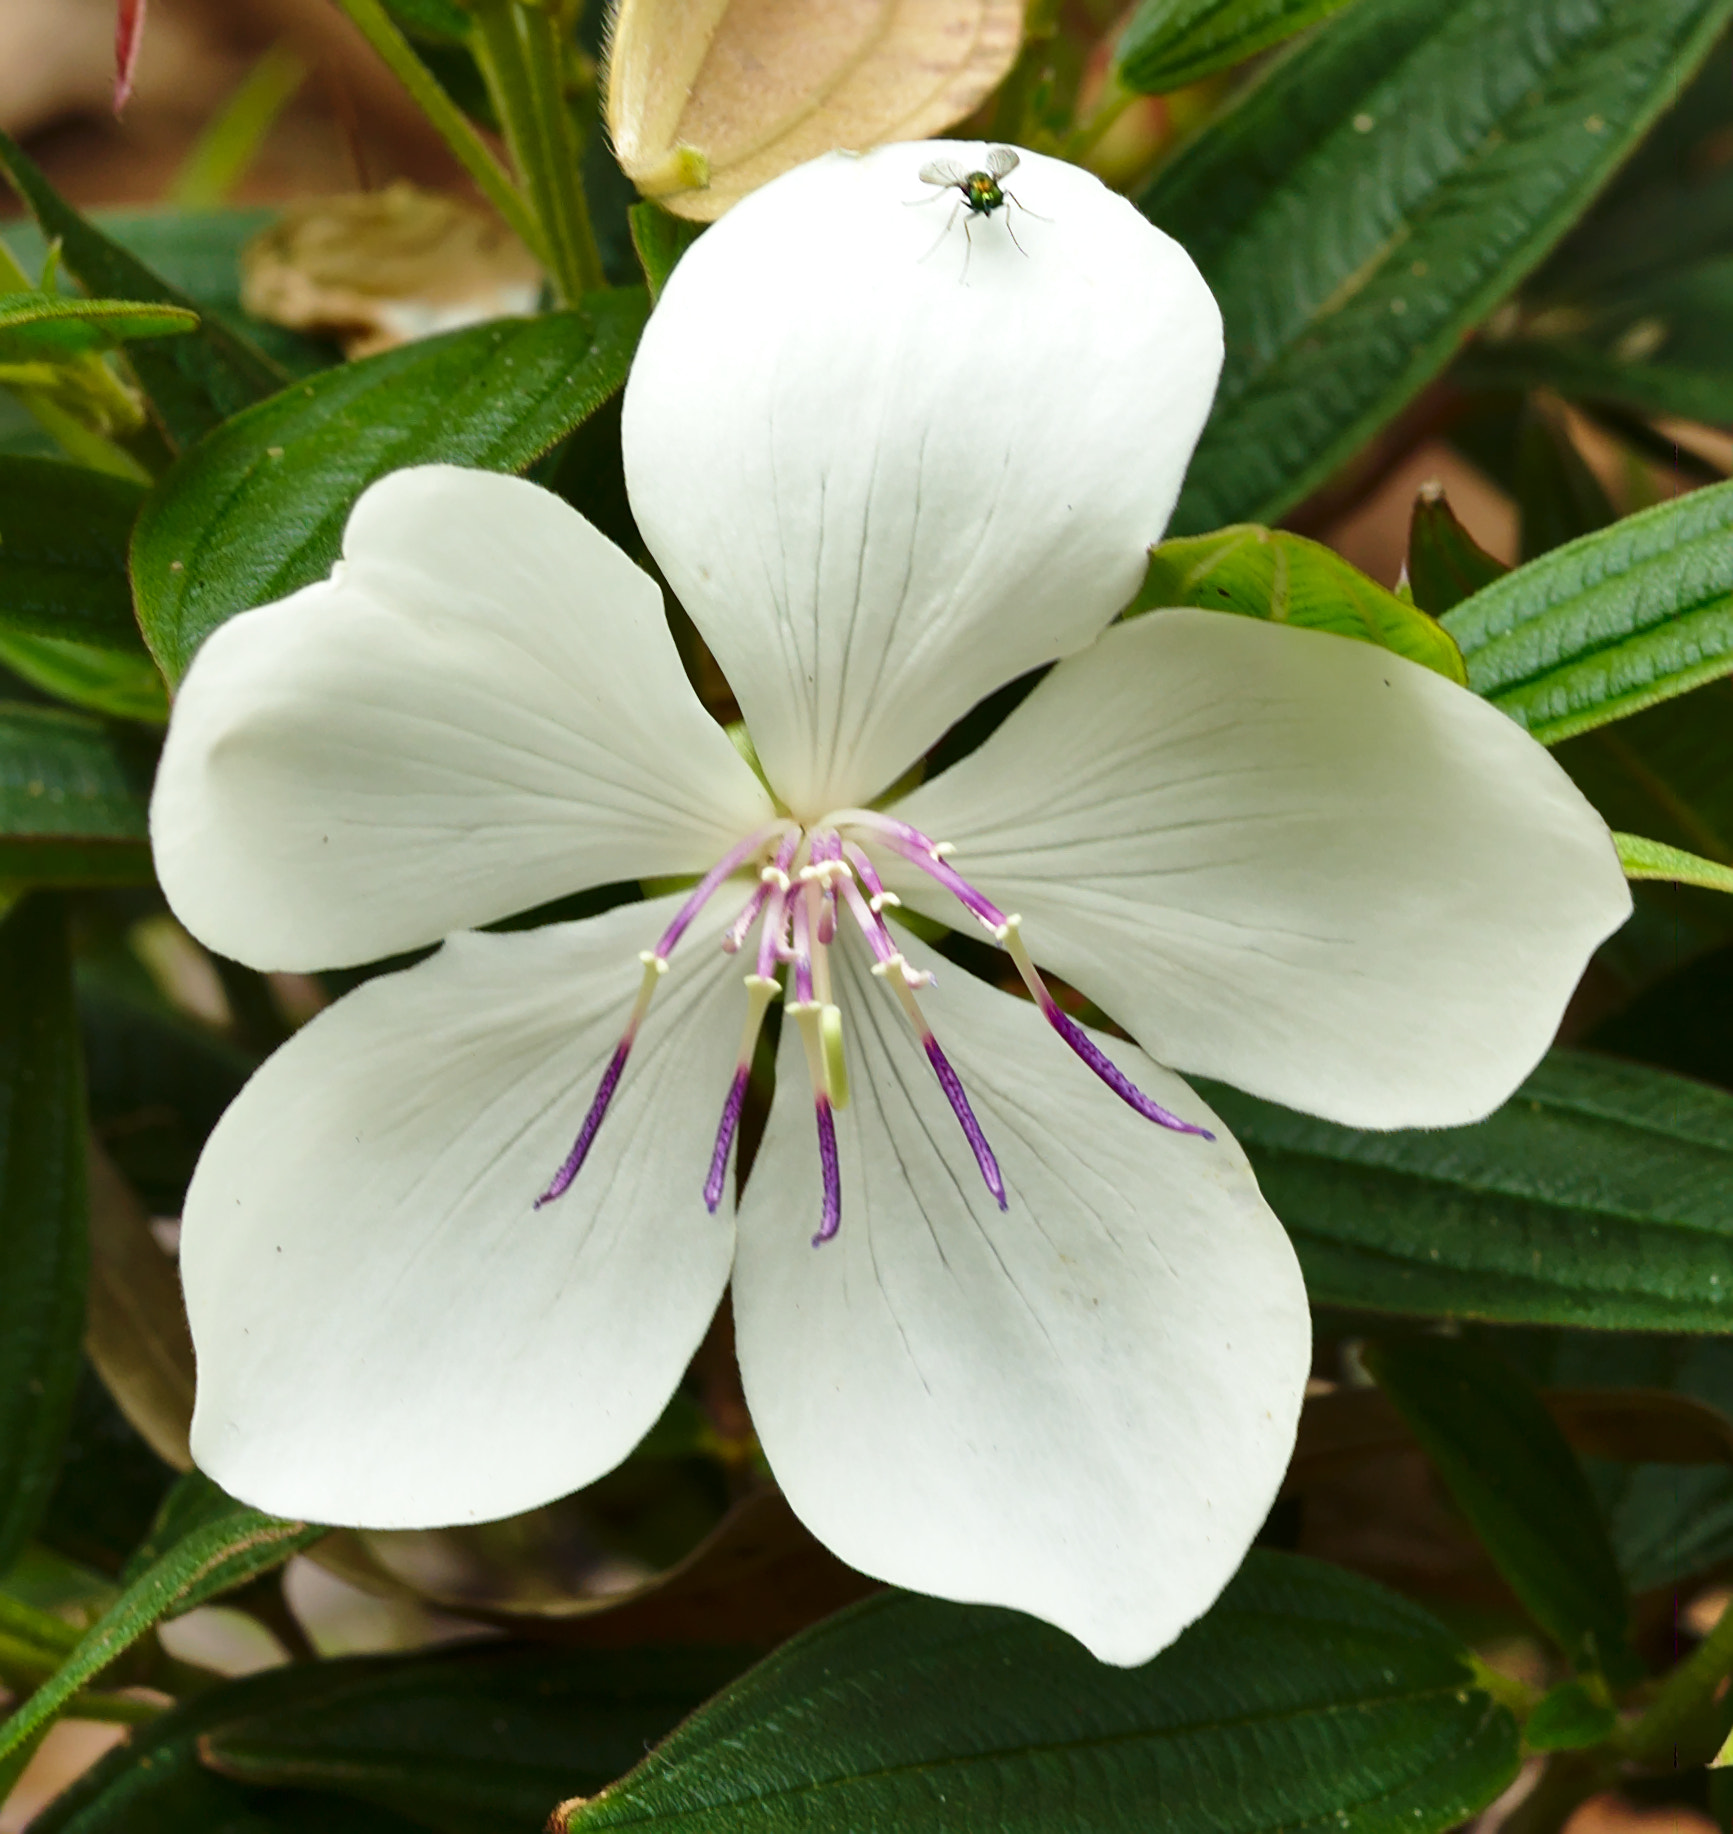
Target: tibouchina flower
(448, 1254)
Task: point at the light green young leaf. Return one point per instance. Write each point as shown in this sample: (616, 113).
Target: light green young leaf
(1379, 192)
(223, 1549)
(257, 510)
(1643, 859)
(44, 1256)
(1596, 1196)
(1170, 43)
(1512, 1473)
(39, 327)
(1611, 623)
(1268, 573)
(193, 382)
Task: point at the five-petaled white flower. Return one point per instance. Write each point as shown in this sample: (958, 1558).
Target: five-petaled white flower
(1049, 1348)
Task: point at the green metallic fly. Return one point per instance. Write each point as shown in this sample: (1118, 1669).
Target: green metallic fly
(981, 191)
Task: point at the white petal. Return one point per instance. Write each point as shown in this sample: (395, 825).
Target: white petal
(889, 459)
(1289, 860)
(1082, 1406)
(389, 1335)
(482, 709)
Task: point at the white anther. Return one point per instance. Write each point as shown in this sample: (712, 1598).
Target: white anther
(943, 849)
(775, 876)
(879, 900)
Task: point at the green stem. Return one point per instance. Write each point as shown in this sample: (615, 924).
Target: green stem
(453, 126)
(1569, 1779)
(521, 49)
(1681, 1718)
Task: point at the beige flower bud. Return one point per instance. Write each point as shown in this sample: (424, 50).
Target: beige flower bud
(708, 99)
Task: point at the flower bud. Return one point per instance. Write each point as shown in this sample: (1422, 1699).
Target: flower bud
(708, 99)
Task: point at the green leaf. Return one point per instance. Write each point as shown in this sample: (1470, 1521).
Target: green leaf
(1268, 573)
(1328, 1701)
(1595, 1196)
(73, 801)
(1380, 190)
(1571, 1718)
(1170, 43)
(436, 19)
(63, 541)
(258, 509)
(44, 1256)
(1643, 859)
(224, 1550)
(114, 682)
(478, 1742)
(660, 239)
(194, 382)
(1445, 563)
(1610, 624)
(1510, 1471)
(39, 327)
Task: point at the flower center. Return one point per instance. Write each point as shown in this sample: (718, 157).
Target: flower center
(807, 877)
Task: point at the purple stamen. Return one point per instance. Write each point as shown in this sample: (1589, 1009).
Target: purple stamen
(1111, 1074)
(592, 1123)
(952, 1085)
(867, 872)
(801, 954)
(705, 889)
(831, 1220)
(725, 1137)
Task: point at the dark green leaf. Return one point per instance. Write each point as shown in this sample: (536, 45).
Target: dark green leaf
(73, 801)
(63, 541)
(438, 19)
(225, 1549)
(1378, 192)
(39, 327)
(1668, 1522)
(1571, 1718)
(1512, 1474)
(1268, 573)
(258, 509)
(194, 382)
(481, 1742)
(1610, 624)
(1327, 1701)
(44, 1257)
(1557, 493)
(1170, 43)
(1445, 563)
(1595, 1196)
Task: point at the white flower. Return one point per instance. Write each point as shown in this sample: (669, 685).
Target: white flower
(1053, 1355)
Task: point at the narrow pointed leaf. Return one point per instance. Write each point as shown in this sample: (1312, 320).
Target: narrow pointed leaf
(44, 1255)
(1610, 624)
(1326, 1700)
(224, 1549)
(1643, 859)
(1173, 42)
(1514, 1476)
(1378, 192)
(258, 509)
(1445, 563)
(1595, 1196)
(38, 327)
(63, 541)
(73, 801)
(1268, 573)
(194, 382)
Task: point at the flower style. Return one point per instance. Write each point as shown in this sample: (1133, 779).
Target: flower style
(448, 1254)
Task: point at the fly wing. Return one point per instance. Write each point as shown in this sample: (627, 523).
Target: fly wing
(1000, 160)
(946, 172)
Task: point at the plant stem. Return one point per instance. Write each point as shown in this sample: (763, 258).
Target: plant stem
(1679, 1720)
(521, 49)
(378, 28)
(1569, 1779)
